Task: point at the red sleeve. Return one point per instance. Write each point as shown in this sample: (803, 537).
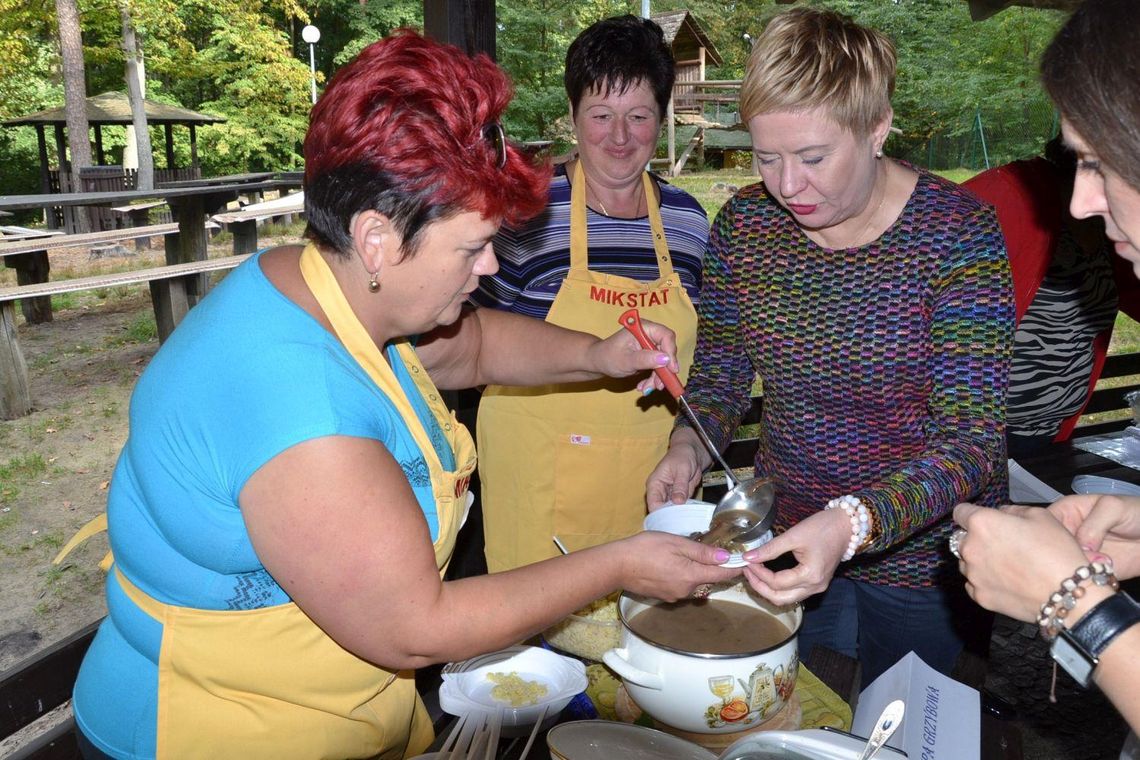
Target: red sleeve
(1029, 211)
(1127, 287)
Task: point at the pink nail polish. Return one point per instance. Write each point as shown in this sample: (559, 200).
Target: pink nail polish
(722, 555)
(662, 359)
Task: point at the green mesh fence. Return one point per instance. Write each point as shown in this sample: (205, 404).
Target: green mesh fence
(988, 137)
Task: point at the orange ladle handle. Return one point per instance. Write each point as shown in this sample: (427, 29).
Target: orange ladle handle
(631, 320)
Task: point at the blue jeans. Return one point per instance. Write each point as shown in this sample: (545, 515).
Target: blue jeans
(879, 625)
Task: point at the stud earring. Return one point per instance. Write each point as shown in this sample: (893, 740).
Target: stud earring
(879, 153)
(373, 285)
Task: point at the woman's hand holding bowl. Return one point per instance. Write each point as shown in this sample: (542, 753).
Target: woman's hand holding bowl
(668, 567)
(817, 542)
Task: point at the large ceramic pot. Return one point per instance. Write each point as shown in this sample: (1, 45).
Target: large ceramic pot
(708, 693)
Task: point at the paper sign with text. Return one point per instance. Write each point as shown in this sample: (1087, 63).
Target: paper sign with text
(942, 719)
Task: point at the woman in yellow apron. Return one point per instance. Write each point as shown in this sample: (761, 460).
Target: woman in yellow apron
(611, 237)
(289, 495)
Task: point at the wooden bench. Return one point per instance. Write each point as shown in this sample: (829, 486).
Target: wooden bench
(243, 222)
(30, 260)
(171, 291)
(83, 238)
(13, 232)
(139, 216)
(35, 687)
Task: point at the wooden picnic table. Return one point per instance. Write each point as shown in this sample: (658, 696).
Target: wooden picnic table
(190, 203)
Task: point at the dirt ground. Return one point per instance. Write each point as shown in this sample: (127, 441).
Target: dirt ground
(57, 462)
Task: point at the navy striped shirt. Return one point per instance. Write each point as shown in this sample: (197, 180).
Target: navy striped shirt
(535, 258)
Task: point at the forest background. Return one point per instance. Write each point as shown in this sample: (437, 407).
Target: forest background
(959, 81)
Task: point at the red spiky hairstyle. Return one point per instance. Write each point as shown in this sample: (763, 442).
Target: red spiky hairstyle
(400, 129)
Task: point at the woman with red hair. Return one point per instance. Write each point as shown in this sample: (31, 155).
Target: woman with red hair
(292, 485)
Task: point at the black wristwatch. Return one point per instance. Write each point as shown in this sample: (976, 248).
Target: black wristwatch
(1078, 650)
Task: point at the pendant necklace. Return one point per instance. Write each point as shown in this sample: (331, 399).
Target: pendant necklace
(598, 198)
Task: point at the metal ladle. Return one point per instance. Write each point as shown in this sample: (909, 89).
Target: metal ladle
(744, 513)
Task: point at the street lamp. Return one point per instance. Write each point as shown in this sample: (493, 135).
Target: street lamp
(311, 34)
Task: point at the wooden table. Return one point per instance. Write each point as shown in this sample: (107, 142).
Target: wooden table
(190, 203)
(1059, 463)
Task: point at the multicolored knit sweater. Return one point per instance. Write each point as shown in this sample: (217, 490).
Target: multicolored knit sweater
(884, 367)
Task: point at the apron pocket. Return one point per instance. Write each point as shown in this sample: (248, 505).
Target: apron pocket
(599, 488)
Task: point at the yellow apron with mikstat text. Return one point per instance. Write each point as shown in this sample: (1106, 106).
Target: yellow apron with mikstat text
(571, 460)
(269, 683)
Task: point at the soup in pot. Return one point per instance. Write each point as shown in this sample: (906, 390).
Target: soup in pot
(709, 626)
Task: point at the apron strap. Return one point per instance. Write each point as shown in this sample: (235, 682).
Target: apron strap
(95, 526)
(579, 246)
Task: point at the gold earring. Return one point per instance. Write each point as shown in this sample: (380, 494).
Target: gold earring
(373, 285)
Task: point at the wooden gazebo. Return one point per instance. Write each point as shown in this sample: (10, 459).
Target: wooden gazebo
(112, 109)
(692, 52)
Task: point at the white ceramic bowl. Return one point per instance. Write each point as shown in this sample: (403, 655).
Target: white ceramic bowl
(693, 517)
(466, 690)
(1096, 484)
(676, 687)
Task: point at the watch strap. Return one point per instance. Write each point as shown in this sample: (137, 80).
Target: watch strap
(1099, 626)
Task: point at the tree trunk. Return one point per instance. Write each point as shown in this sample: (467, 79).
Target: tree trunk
(135, 95)
(74, 98)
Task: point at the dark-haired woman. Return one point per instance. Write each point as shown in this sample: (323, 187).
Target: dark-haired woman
(292, 484)
(1018, 560)
(611, 236)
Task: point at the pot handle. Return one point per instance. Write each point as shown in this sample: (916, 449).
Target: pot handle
(617, 662)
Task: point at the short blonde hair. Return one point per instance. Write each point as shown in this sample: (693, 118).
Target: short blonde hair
(810, 57)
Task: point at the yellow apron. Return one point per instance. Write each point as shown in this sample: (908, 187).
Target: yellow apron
(571, 460)
(269, 683)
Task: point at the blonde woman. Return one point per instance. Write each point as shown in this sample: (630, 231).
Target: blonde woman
(873, 299)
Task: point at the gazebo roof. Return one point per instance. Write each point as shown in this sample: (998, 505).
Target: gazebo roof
(672, 23)
(114, 108)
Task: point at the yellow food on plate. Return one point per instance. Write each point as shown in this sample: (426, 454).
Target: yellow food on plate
(515, 690)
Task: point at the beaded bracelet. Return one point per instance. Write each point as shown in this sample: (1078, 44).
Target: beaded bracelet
(1052, 617)
(860, 522)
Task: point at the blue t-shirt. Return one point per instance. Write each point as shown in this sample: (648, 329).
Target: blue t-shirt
(247, 375)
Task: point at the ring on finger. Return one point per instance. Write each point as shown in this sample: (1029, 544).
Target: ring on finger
(701, 591)
(955, 541)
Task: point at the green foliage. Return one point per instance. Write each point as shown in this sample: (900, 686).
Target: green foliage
(347, 28)
(245, 60)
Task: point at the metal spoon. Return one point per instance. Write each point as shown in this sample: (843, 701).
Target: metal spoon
(744, 513)
(889, 720)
